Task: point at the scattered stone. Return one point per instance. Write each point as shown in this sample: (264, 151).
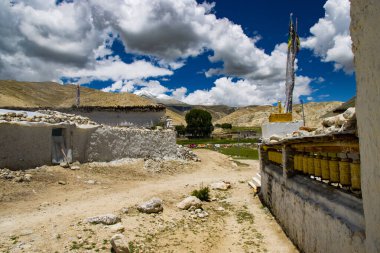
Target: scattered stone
(125, 210)
(220, 209)
(152, 206)
(186, 154)
(62, 182)
(119, 244)
(188, 202)
(117, 228)
(107, 219)
(222, 185)
(64, 165)
(18, 179)
(350, 114)
(275, 137)
(74, 167)
(90, 181)
(328, 122)
(27, 177)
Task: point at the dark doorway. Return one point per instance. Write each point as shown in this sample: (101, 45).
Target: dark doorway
(59, 152)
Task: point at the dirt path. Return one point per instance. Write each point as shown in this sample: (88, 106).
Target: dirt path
(44, 216)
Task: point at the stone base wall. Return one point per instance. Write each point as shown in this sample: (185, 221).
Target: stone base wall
(315, 217)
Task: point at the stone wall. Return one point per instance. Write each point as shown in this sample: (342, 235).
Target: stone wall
(24, 147)
(110, 143)
(365, 33)
(315, 217)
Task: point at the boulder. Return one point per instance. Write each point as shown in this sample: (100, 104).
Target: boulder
(328, 122)
(339, 120)
(350, 114)
(107, 219)
(117, 228)
(222, 185)
(152, 206)
(119, 244)
(189, 202)
(275, 137)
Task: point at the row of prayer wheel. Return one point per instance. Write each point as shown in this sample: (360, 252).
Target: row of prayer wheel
(334, 169)
(275, 157)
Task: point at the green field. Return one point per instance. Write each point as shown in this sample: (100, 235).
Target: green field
(214, 141)
(240, 152)
(238, 129)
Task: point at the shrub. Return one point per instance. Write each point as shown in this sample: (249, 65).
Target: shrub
(203, 193)
(181, 130)
(227, 126)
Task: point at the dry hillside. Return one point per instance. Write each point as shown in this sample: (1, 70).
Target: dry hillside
(49, 94)
(255, 116)
(178, 119)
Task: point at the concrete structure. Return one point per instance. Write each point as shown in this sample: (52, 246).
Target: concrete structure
(280, 128)
(27, 145)
(365, 33)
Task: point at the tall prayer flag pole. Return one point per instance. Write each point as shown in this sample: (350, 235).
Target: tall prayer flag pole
(293, 48)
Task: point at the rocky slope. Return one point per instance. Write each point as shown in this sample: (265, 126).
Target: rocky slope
(49, 94)
(255, 116)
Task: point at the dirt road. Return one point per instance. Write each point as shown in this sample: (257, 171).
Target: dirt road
(48, 213)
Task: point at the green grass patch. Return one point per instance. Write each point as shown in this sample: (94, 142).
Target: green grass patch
(215, 141)
(203, 193)
(238, 129)
(240, 152)
(244, 216)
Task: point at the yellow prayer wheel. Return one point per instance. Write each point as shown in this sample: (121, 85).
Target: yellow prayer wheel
(325, 168)
(355, 175)
(300, 163)
(310, 165)
(345, 172)
(317, 166)
(270, 156)
(334, 170)
(304, 164)
(295, 162)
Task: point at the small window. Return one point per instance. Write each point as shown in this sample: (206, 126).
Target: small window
(57, 132)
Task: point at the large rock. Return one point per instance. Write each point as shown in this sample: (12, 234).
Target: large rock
(188, 202)
(340, 120)
(328, 122)
(107, 219)
(350, 114)
(152, 206)
(222, 185)
(119, 244)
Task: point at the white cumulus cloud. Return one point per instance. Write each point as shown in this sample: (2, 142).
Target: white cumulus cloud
(331, 38)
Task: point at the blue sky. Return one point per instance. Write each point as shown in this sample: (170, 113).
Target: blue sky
(221, 52)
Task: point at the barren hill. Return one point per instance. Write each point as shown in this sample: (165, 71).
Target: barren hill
(49, 94)
(255, 116)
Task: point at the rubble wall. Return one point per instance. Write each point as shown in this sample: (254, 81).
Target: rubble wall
(24, 147)
(315, 220)
(365, 33)
(110, 143)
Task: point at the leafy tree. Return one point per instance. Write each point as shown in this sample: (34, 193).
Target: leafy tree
(181, 130)
(199, 123)
(227, 126)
